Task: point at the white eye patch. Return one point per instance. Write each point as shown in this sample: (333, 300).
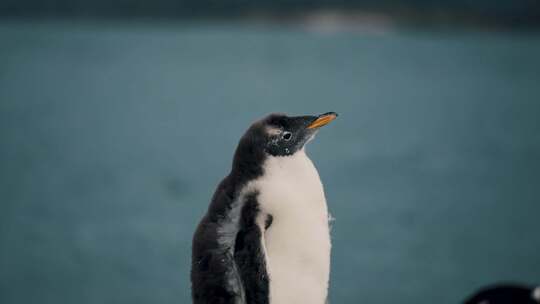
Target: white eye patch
(273, 131)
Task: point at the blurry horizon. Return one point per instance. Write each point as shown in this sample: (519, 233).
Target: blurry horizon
(503, 13)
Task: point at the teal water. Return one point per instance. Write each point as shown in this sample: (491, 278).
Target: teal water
(114, 136)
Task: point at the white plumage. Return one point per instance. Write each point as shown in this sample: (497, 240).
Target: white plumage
(297, 245)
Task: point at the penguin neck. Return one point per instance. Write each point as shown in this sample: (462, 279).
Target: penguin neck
(247, 164)
(291, 165)
(292, 183)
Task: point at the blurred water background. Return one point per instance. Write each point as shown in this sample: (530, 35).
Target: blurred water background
(118, 119)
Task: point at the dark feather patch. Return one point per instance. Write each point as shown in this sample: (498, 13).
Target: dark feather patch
(249, 254)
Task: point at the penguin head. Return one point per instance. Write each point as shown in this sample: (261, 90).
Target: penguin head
(284, 135)
(506, 294)
(277, 135)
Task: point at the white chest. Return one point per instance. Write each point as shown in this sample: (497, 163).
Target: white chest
(297, 244)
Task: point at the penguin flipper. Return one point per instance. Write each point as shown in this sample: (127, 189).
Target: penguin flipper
(249, 251)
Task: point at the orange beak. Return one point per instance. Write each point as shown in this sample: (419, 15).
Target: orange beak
(323, 120)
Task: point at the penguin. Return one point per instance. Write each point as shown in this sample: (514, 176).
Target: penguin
(506, 294)
(265, 237)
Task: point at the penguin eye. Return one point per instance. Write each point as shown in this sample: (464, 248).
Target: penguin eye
(287, 135)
